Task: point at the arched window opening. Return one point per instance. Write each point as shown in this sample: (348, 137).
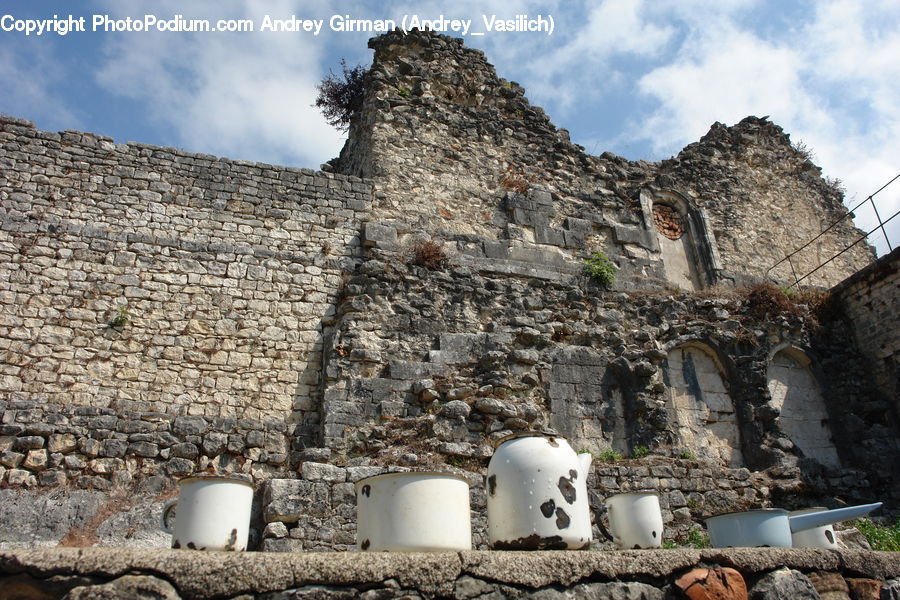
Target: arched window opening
(688, 250)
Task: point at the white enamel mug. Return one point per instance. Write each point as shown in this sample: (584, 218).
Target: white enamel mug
(211, 513)
(413, 512)
(635, 520)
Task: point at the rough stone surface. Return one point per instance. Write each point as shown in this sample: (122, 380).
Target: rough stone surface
(128, 587)
(647, 574)
(167, 313)
(713, 584)
(783, 583)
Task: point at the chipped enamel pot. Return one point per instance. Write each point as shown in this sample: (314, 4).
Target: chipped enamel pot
(635, 520)
(537, 494)
(413, 512)
(816, 537)
(211, 513)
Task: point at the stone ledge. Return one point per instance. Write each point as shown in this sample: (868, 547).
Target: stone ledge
(222, 574)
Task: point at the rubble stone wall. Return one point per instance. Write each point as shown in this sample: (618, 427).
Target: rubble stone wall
(147, 279)
(871, 302)
(447, 141)
(164, 313)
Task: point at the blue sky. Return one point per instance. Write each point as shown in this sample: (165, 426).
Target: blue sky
(641, 78)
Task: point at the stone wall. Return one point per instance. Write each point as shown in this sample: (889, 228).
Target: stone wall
(766, 574)
(454, 149)
(150, 280)
(870, 303)
(166, 313)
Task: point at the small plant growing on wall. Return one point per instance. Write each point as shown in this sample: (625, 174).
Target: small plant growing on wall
(121, 318)
(610, 455)
(429, 254)
(640, 452)
(600, 269)
(339, 95)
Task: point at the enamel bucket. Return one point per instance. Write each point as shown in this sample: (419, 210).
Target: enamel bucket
(537, 494)
(211, 513)
(816, 537)
(635, 520)
(773, 527)
(413, 512)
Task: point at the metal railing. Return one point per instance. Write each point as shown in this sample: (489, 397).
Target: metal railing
(849, 215)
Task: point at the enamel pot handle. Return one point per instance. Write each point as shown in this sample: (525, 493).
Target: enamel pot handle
(603, 530)
(166, 516)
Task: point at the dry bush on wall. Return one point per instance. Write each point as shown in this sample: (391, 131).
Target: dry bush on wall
(429, 254)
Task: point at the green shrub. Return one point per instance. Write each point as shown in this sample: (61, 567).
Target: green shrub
(610, 455)
(687, 455)
(599, 268)
(881, 537)
(121, 318)
(640, 452)
(697, 539)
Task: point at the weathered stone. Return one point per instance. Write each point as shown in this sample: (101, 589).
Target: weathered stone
(863, 589)
(784, 583)
(286, 500)
(713, 584)
(829, 586)
(313, 471)
(36, 460)
(127, 587)
(62, 442)
(455, 409)
(275, 530)
(189, 426)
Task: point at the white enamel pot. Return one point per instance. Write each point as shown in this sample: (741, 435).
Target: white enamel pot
(413, 512)
(635, 520)
(211, 513)
(537, 494)
(816, 537)
(773, 527)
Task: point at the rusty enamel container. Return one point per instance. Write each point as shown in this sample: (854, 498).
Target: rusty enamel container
(211, 512)
(413, 512)
(537, 494)
(635, 520)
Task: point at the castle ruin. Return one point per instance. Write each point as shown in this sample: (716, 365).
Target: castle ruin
(167, 313)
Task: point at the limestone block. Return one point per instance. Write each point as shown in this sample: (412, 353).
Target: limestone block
(313, 471)
(784, 583)
(380, 235)
(36, 460)
(127, 587)
(287, 500)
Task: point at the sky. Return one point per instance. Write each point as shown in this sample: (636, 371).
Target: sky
(640, 78)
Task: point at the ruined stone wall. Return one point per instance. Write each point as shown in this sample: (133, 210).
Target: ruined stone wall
(426, 367)
(165, 313)
(869, 300)
(150, 281)
(447, 140)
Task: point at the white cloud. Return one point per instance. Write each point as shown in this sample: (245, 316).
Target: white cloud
(29, 75)
(246, 95)
(833, 82)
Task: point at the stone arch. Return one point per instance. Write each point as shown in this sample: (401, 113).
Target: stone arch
(803, 416)
(688, 250)
(700, 406)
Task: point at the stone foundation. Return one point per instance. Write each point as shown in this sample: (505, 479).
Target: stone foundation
(768, 574)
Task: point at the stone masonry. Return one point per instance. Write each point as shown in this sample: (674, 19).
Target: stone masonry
(164, 313)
